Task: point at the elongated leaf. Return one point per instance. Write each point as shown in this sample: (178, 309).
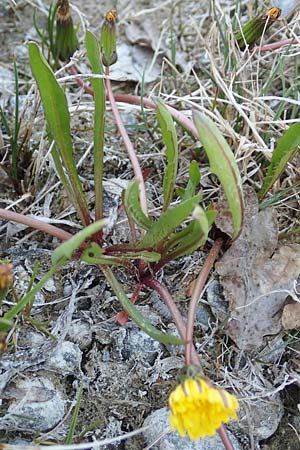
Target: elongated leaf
(58, 119)
(196, 234)
(134, 313)
(170, 140)
(12, 312)
(73, 424)
(54, 100)
(68, 247)
(194, 180)
(168, 222)
(223, 164)
(94, 254)
(133, 207)
(285, 150)
(94, 55)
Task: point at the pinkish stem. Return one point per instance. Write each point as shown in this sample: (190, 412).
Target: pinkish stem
(131, 152)
(171, 305)
(200, 283)
(276, 45)
(35, 223)
(136, 100)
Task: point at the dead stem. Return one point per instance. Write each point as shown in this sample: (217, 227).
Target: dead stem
(200, 283)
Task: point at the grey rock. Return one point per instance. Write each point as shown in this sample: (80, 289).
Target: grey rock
(37, 406)
(140, 346)
(80, 332)
(260, 419)
(65, 358)
(158, 423)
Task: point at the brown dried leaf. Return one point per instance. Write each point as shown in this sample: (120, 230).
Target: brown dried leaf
(291, 316)
(255, 280)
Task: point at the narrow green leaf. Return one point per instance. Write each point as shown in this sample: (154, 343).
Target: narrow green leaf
(5, 325)
(94, 254)
(67, 249)
(168, 222)
(134, 313)
(223, 165)
(194, 180)
(58, 119)
(54, 100)
(195, 236)
(133, 207)
(170, 140)
(285, 150)
(94, 56)
(71, 432)
(12, 312)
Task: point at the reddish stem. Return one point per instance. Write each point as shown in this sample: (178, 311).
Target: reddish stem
(130, 150)
(200, 283)
(276, 45)
(35, 223)
(136, 100)
(171, 305)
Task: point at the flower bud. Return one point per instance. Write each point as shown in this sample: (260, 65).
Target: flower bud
(254, 28)
(6, 278)
(66, 42)
(108, 40)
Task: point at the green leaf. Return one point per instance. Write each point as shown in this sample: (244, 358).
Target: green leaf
(194, 235)
(5, 325)
(223, 165)
(133, 207)
(168, 222)
(170, 140)
(285, 150)
(67, 249)
(194, 181)
(94, 56)
(94, 254)
(73, 424)
(12, 312)
(58, 120)
(134, 313)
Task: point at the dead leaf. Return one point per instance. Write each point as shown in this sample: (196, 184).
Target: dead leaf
(291, 316)
(255, 280)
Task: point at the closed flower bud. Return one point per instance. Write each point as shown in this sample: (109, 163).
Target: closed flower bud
(6, 278)
(108, 40)
(254, 28)
(66, 42)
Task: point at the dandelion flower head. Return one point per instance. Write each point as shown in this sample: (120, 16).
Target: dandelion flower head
(198, 409)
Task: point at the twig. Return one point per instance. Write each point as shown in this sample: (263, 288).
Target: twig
(200, 283)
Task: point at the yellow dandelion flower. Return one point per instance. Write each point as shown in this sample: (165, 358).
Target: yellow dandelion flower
(199, 409)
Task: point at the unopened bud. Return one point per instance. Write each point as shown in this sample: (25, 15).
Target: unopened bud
(6, 276)
(254, 28)
(66, 42)
(108, 38)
